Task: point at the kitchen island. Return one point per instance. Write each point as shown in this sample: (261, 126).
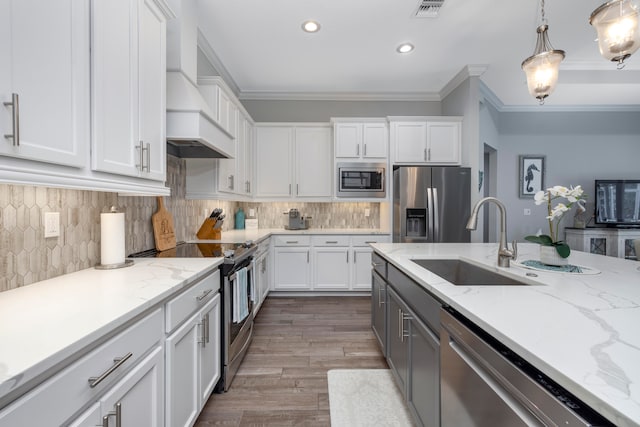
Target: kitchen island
(581, 330)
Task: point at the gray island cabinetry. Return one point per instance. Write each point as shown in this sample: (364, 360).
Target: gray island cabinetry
(410, 339)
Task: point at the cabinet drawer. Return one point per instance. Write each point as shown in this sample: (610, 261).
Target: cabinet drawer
(55, 400)
(379, 265)
(365, 240)
(182, 306)
(293, 240)
(330, 240)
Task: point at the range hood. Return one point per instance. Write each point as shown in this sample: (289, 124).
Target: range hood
(192, 129)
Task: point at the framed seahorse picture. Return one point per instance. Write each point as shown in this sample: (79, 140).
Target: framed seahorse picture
(532, 170)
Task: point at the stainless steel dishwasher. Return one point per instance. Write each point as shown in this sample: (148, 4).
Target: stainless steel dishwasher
(484, 384)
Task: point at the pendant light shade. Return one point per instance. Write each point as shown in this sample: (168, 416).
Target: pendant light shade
(542, 67)
(617, 25)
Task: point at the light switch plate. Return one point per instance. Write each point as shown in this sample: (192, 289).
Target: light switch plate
(51, 224)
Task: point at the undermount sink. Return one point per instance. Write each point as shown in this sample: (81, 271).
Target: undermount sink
(462, 273)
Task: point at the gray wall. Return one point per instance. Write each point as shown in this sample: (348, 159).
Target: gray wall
(579, 148)
(323, 111)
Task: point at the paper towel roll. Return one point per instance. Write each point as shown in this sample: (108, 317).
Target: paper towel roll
(111, 238)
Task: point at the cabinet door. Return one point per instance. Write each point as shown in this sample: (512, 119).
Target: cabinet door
(330, 268)
(274, 146)
(228, 168)
(209, 348)
(348, 140)
(291, 271)
(44, 59)
(397, 340)
(152, 88)
(374, 140)
(182, 396)
(361, 269)
(248, 158)
(114, 88)
(139, 396)
(379, 310)
(443, 142)
(423, 396)
(410, 141)
(313, 162)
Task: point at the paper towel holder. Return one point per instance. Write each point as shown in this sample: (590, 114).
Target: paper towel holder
(126, 263)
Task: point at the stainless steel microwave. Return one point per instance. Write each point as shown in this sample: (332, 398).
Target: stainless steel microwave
(365, 180)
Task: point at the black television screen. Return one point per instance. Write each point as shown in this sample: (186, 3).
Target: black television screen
(618, 203)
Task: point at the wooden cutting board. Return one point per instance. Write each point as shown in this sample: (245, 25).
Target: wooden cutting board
(163, 230)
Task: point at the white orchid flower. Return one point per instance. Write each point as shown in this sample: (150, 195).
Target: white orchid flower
(540, 197)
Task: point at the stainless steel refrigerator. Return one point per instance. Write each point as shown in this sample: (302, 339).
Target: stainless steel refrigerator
(431, 204)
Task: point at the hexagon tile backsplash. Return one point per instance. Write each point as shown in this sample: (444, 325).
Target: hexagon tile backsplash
(27, 257)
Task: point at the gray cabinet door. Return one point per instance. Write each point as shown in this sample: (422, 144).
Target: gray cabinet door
(397, 342)
(379, 310)
(423, 394)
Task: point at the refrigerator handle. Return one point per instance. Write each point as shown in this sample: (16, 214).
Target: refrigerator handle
(430, 210)
(436, 218)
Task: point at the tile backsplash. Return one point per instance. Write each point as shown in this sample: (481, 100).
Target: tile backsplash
(27, 257)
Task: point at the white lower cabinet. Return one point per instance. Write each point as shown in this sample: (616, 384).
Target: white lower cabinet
(115, 370)
(262, 275)
(323, 262)
(193, 364)
(136, 400)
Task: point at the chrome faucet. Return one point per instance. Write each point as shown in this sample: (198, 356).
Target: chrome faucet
(504, 253)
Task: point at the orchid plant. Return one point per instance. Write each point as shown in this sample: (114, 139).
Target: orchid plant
(574, 196)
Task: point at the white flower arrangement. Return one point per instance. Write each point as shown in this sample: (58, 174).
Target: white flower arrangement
(574, 196)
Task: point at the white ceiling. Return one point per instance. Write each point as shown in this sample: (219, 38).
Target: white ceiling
(265, 52)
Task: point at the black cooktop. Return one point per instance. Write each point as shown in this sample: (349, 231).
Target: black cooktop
(232, 252)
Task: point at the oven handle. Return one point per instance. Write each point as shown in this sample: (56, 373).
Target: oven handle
(234, 275)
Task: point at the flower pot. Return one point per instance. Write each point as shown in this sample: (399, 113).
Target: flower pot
(549, 256)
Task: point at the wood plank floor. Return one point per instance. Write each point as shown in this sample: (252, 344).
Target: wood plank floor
(283, 378)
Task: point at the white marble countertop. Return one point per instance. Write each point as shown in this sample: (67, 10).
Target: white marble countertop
(583, 331)
(47, 322)
(238, 236)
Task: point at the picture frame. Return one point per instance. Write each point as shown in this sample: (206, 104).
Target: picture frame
(532, 171)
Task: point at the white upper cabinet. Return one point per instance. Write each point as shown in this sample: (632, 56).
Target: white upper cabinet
(293, 161)
(128, 87)
(367, 141)
(44, 66)
(434, 141)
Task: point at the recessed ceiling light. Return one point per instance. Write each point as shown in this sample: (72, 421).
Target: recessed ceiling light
(310, 26)
(405, 48)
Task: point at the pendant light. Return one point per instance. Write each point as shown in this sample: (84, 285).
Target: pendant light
(542, 67)
(616, 23)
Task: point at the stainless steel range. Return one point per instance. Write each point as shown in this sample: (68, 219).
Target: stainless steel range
(238, 266)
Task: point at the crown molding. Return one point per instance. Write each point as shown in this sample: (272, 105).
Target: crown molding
(339, 96)
(212, 57)
(466, 72)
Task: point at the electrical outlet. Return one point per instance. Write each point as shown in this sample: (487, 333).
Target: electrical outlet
(367, 212)
(252, 213)
(51, 224)
(527, 212)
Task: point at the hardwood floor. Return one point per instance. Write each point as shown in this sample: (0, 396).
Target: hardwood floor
(283, 378)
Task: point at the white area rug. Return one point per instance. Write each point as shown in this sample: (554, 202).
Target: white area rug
(365, 397)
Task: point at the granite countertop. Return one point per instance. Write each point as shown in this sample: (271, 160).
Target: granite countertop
(237, 236)
(582, 330)
(45, 323)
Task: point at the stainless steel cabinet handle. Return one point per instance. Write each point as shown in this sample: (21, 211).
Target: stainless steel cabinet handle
(297, 189)
(140, 149)
(358, 150)
(204, 294)
(289, 189)
(347, 257)
(425, 154)
(292, 241)
(331, 241)
(307, 257)
(15, 119)
(380, 301)
(118, 361)
(400, 325)
(365, 149)
(206, 328)
(376, 264)
(371, 241)
(148, 165)
(118, 414)
(405, 316)
(429, 154)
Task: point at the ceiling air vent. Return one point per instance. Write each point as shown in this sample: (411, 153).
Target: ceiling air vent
(428, 8)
